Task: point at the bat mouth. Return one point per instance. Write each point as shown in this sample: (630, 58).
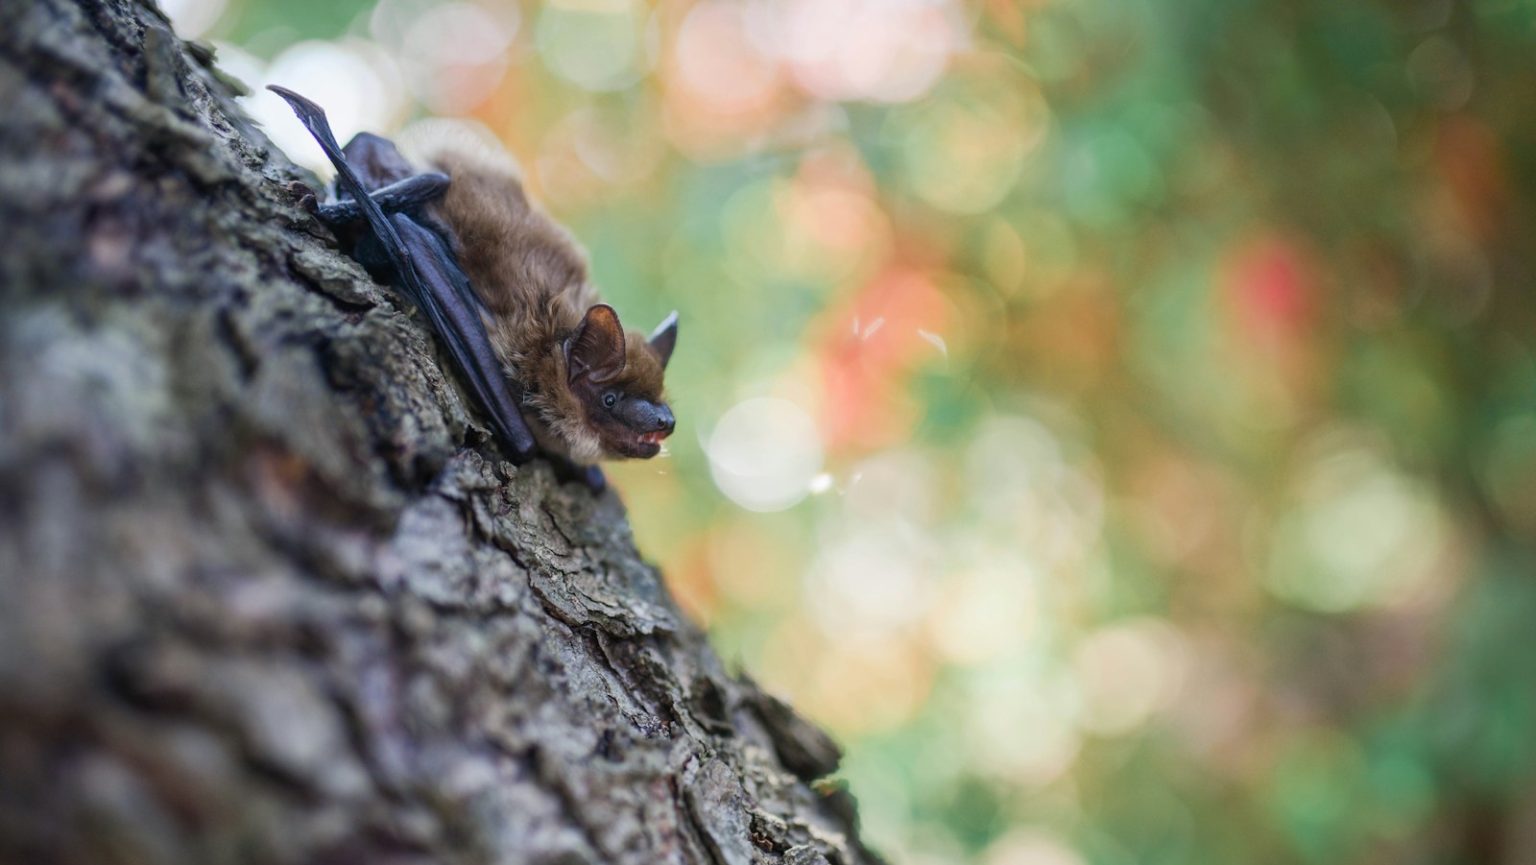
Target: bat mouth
(644, 446)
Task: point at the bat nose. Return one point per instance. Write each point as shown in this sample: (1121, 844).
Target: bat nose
(664, 421)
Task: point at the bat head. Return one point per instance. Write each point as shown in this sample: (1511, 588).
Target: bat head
(616, 376)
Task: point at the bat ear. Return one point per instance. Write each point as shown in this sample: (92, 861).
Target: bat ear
(596, 350)
(664, 338)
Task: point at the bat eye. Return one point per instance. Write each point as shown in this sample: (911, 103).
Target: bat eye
(609, 399)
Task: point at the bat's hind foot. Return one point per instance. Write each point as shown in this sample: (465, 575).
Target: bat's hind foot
(568, 472)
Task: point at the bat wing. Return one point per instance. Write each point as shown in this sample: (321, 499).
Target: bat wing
(430, 275)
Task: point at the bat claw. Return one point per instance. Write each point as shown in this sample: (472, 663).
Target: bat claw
(305, 195)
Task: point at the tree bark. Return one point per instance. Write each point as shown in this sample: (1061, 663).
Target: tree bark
(269, 593)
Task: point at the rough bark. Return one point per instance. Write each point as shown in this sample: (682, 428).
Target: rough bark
(268, 592)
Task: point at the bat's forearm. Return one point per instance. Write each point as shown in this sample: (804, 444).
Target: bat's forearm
(406, 195)
(450, 303)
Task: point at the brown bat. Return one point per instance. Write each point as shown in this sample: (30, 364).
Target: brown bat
(506, 290)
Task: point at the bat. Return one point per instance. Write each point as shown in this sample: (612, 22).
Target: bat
(506, 290)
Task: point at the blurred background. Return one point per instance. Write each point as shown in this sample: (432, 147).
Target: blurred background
(1115, 420)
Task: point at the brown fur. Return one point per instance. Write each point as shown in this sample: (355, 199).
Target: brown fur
(532, 278)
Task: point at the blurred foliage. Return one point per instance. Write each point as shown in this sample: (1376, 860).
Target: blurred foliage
(1115, 419)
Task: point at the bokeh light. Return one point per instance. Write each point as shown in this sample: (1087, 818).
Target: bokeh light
(764, 453)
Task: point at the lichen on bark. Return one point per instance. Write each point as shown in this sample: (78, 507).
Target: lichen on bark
(268, 591)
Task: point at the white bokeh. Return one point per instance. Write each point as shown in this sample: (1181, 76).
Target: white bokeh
(764, 453)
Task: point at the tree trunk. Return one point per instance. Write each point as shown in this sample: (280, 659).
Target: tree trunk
(268, 591)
